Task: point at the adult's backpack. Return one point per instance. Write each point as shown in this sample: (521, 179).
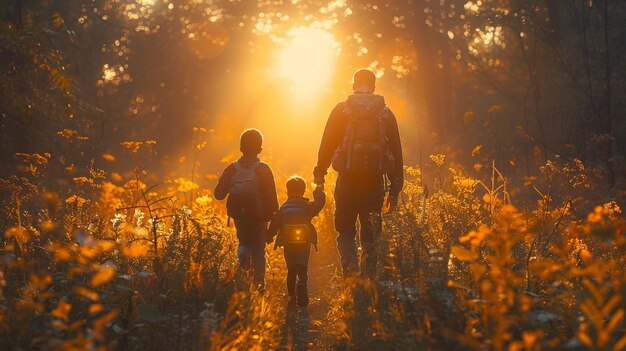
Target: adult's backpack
(365, 146)
(244, 201)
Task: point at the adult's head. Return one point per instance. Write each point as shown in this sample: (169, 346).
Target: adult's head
(251, 142)
(295, 186)
(364, 81)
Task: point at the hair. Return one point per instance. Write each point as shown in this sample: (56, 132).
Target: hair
(251, 141)
(364, 79)
(295, 186)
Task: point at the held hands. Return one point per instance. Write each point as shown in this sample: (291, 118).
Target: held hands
(319, 187)
(319, 181)
(391, 202)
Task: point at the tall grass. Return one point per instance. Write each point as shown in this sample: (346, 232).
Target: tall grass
(107, 264)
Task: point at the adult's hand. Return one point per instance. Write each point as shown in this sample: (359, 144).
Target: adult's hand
(390, 204)
(319, 181)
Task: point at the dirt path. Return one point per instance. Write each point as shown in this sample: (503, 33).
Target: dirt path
(306, 328)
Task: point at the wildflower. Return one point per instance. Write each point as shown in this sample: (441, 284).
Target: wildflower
(139, 216)
(132, 146)
(186, 211)
(82, 181)
(185, 185)
(76, 200)
(204, 200)
(117, 220)
(438, 159)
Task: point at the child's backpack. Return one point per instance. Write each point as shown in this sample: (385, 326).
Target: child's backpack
(244, 201)
(365, 147)
(296, 227)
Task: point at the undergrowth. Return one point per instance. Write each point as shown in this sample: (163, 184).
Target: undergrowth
(111, 264)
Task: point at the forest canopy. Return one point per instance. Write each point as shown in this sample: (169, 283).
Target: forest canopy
(515, 81)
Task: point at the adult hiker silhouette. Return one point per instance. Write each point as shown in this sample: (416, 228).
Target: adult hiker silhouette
(362, 142)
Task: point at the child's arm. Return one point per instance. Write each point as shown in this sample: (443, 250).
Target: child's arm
(319, 200)
(223, 184)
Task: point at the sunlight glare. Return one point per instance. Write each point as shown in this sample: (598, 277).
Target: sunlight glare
(307, 59)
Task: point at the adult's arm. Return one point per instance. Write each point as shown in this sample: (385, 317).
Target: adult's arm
(396, 177)
(331, 139)
(223, 184)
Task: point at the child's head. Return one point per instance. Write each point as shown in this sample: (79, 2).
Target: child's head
(295, 186)
(251, 142)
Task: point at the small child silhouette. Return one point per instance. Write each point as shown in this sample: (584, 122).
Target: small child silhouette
(293, 230)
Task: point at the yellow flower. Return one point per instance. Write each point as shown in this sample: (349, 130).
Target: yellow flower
(204, 200)
(185, 185)
(438, 159)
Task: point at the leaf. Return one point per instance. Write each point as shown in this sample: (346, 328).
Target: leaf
(494, 109)
(108, 157)
(104, 275)
(476, 150)
(621, 344)
(615, 320)
(135, 250)
(62, 311)
(101, 322)
(478, 270)
(20, 234)
(595, 292)
(95, 308)
(57, 20)
(463, 254)
(86, 293)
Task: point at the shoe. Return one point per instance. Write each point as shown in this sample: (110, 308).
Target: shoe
(303, 296)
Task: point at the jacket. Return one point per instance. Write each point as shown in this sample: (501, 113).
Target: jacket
(334, 134)
(267, 187)
(308, 208)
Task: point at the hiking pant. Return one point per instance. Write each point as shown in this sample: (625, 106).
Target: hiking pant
(297, 276)
(358, 197)
(251, 250)
(297, 261)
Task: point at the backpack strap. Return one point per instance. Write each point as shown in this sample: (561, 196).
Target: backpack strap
(253, 166)
(348, 133)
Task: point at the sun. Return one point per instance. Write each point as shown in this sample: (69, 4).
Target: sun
(307, 59)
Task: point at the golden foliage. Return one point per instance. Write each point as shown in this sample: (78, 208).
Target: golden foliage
(135, 250)
(438, 159)
(108, 157)
(185, 185)
(62, 311)
(103, 275)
